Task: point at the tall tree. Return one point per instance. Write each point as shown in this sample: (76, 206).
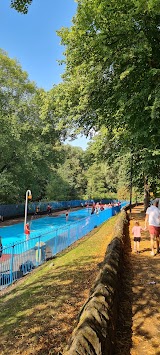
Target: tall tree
(112, 75)
(112, 66)
(29, 136)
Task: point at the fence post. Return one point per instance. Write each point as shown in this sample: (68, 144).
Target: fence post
(55, 245)
(77, 229)
(38, 251)
(68, 237)
(11, 265)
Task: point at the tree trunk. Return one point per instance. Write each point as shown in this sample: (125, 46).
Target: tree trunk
(146, 194)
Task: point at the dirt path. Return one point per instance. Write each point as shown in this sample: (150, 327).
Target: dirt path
(139, 323)
(146, 295)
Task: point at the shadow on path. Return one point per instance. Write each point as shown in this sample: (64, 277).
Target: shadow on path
(124, 324)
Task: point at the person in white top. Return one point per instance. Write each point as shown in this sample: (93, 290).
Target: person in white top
(152, 220)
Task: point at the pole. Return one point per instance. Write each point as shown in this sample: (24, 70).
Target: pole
(28, 194)
(11, 265)
(131, 176)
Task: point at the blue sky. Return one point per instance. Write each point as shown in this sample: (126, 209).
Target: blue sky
(32, 40)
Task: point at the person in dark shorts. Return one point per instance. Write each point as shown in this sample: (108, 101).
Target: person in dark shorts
(49, 209)
(136, 231)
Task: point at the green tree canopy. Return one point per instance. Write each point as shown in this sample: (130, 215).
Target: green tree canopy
(68, 180)
(29, 135)
(112, 77)
(112, 67)
(21, 5)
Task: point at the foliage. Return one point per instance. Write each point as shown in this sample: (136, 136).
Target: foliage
(99, 182)
(21, 5)
(112, 63)
(112, 77)
(29, 138)
(31, 141)
(68, 180)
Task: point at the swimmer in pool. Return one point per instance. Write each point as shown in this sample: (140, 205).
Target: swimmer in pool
(67, 215)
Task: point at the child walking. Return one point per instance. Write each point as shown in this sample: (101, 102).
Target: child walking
(136, 231)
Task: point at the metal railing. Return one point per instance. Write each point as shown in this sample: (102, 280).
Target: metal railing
(20, 258)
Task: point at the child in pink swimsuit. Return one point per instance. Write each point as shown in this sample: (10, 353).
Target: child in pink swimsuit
(136, 231)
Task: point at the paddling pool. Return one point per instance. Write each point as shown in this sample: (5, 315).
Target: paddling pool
(15, 233)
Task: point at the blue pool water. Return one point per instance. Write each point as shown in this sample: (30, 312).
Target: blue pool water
(15, 233)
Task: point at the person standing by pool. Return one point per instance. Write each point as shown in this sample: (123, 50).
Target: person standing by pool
(49, 209)
(93, 210)
(1, 218)
(27, 230)
(37, 210)
(1, 247)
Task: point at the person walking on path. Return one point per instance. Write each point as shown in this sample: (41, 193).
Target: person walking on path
(152, 221)
(136, 231)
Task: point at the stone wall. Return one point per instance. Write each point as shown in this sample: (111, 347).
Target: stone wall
(96, 328)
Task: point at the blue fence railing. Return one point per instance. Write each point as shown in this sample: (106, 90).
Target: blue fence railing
(18, 209)
(20, 258)
(13, 210)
